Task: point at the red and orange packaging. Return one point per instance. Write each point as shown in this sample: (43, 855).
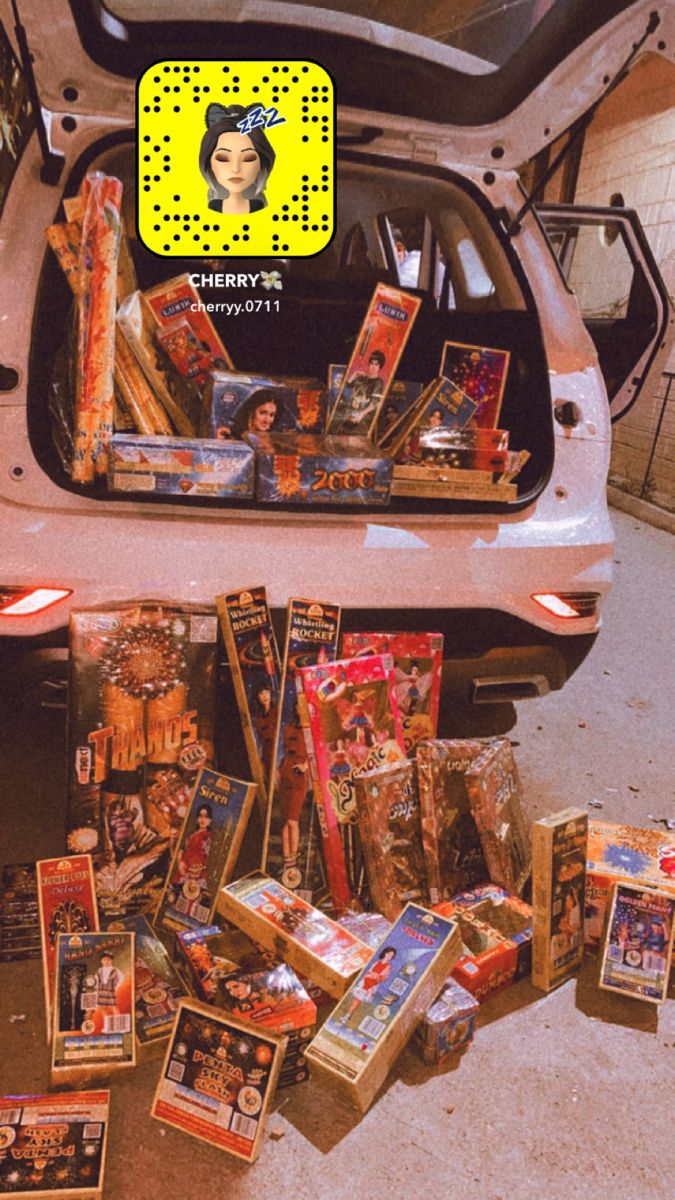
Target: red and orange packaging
(67, 904)
(186, 332)
(418, 662)
(496, 931)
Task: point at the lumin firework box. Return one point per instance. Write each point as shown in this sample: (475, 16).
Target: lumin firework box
(623, 854)
(94, 1006)
(558, 896)
(159, 987)
(167, 466)
(52, 1146)
(186, 332)
(418, 662)
(67, 904)
(237, 404)
(452, 846)
(316, 469)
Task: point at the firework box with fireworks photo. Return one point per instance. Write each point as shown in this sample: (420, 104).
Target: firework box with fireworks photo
(496, 795)
(159, 987)
(638, 945)
(305, 468)
(418, 662)
(448, 1025)
(141, 725)
(390, 834)
(207, 850)
(19, 913)
(496, 930)
(237, 404)
(94, 1007)
(623, 854)
(67, 904)
(359, 1043)
(168, 466)
(481, 374)
(53, 1145)
(218, 1079)
(558, 896)
(452, 847)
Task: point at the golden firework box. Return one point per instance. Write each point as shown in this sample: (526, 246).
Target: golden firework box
(66, 893)
(623, 854)
(496, 795)
(452, 847)
(159, 987)
(390, 832)
(53, 1146)
(638, 946)
(558, 896)
(218, 1079)
(442, 483)
(94, 1031)
(362, 1038)
(171, 466)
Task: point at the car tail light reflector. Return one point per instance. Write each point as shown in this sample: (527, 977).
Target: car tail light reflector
(568, 605)
(22, 602)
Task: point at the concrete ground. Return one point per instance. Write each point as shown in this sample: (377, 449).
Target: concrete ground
(566, 1096)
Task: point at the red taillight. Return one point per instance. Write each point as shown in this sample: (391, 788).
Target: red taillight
(568, 605)
(19, 602)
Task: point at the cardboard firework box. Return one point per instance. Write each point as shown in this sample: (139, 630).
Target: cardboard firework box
(401, 398)
(496, 930)
(372, 367)
(236, 404)
(623, 854)
(175, 305)
(252, 652)
(441, 406)
(363, 1036)
(206, 955)
(448, 1025)
(638, 946)
(298, 468)
(453, 850)
(140, 725)
(179, 397)
(207, 850)
(351, 716)
(496, 795)
(418, 663)
(218, 1079)
(19, 914)
(558, 896)
(447, 484)
(53, 1146)
(94, 1030)
(167, 466)
(291, 849)
(159, 987)
(66, 893)
(281, 921)
(390, 832)
(481, 373)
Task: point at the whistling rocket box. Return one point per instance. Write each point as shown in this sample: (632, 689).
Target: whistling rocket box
(448, 1025)
(218, 1079)
(237, 404)
(141, 718)
(53, 1146)
(496, 795)
(167, 466)
(418, 663)
(67, 903)
(159, 987)
(303, 937)
(452, 847)
(390, 831)
(176, 303)
(364, 1034)
(317, 469)
(558, 896)
(638, 943)
(621, 853)
(94, 1006)
(496, 930)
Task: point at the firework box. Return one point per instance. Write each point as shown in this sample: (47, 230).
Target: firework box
(66, 895)
(350, 712)
(53, 1145)
(452, 847)
(178, 396)
(441, 406)
(252, 651)
(390, 832)
(19, 914)
(238, 404)
(94, 1006)
(370, 927)
(623, 854)
(638, 944)
(206, 955)
(218, 1079)
(448, 1025)
(141, 719)
(558, 896)
(496, 795)
(306, 939)
(291, 852)
(176, 303)
(418, 663)
(401, 398)
(496, 931)
(159, 987)
(441, 483)
(365, 1033)
(298, 468)
(169, 466)
(481, 373)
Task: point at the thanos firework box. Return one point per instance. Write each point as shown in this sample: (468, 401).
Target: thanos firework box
(390, 832)
(218, 1079)
(159, 987)
(66, 893)
(359, 1043)
(19, 914)
(53, 1146)
(496, 931)
(558, 896)
(623, 854)
(418, 662)
(315, 469)
(94, 1029)
(496, 796)
(452, 847)
(448, 1025)
(168, 466)
(238, 404)
(638, 945)
(140, 725)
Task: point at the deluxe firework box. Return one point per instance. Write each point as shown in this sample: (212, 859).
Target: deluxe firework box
(235, 404)
(623, 854)
(390, 833)
(207, 850)
(303, 937)
(170, 466)
(19, 913)
(453, 851)
(372, 367)
(350, 713)
(496, 930)
(481, 373)
(53, 1145)
(558, 896)
(448, 1025)
(363, 1036)
(418, 663)
(178, 396)
(94, 1031)
(291, 849)
(218, 1079)
(141, 719)
(638, 945)
(252, 652)
(174, 305)
(66, 893)
(159, 987)
(441, 406)
(298, 468)
(496, 795)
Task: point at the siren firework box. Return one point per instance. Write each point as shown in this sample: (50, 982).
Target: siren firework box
(496, 931)
(623, 854)
(448, 1025)
(390, 832)
(306, 939)
(19, 915)
(218, 1079)
(53, 1146)
(159, 987)
(452, 847)
(252, 652)
(638, 944)
(418, 662)
(94, 1006)
(301, 468)
(291, 851)
(169, 466)
(481, 373)
(365, 1033)
(141, 720)
(558, 896)
(238, 404)
(496, 795)
(206, 851)
(66, 894)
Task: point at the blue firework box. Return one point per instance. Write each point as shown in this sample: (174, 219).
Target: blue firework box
(236, 404)
(448, 1025)
(309, 469)
(174, 466)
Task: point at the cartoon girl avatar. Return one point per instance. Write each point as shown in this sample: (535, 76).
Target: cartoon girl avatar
(235, 165)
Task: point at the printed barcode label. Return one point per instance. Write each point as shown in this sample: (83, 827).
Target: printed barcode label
(615, 954)
(203, 629)
(372, 1027)
(653, 962)
(156, 1010)
(117, 1024)
(182, 904)
(245, 1126)
(10, 1116)
(92, 1130)
(200, 912)
(88, 1000)
(398, 986)
(176, 1071)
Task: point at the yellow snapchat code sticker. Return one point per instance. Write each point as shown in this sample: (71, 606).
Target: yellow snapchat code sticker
(235, 158)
